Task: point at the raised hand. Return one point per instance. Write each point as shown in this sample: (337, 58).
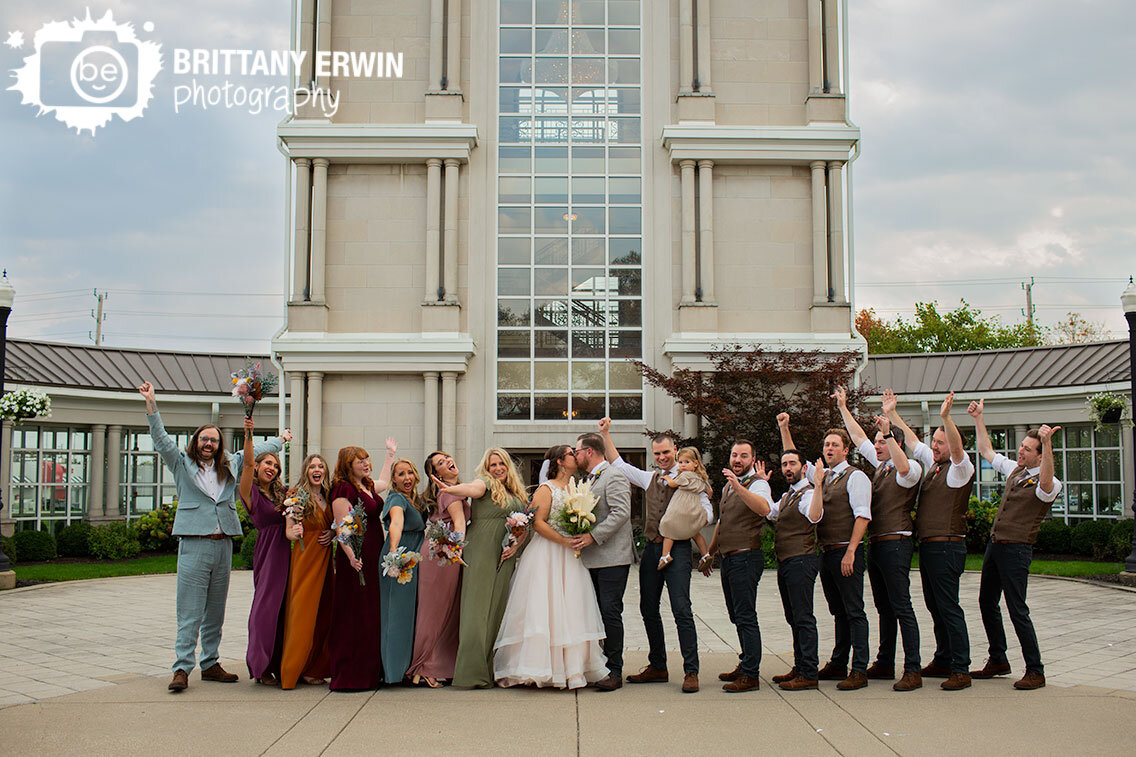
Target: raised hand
(883, 424)
(147, 390)
(782, 420)
(818, 469)
(442, 485)
(889, 401)
(1046, 433)
(731, 478)
(760, 472)
(948, 403)
(392, 446)
(840, 396)
(975, 409)
(605, 425)
(286, 435)
(249, 424)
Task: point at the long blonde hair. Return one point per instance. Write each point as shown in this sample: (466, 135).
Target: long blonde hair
(500, 492)
(415, 497)
(692, 454)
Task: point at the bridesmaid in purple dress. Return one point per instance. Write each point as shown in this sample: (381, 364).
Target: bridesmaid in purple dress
(263, 495)
(439, 586)
(356, 654)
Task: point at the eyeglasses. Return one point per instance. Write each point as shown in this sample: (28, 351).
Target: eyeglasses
(208, 440)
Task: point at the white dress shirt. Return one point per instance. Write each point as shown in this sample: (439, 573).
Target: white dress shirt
(206, 480)
(914, 475)
(958, 474)
(1006, 466)
(803, 506)
(642, 479)
(859, 488)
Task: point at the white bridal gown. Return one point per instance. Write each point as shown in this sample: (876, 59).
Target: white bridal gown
(551, 632)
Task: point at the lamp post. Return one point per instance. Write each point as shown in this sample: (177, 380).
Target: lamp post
(7, 297)
(1128, 300)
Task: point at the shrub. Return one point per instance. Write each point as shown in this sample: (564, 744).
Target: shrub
(247, 547)
(35, 546)
(979, 520)
(1120, 541)
(155, 529)
(1091, 538)
(767, 536)
(1054, 538)
(74, 540)
(114, 541)
(9, 548)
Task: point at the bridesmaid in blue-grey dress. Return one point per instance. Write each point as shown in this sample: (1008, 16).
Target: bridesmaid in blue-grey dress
(405, 524)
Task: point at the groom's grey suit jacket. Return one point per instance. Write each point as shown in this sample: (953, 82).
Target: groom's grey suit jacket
(612, 531)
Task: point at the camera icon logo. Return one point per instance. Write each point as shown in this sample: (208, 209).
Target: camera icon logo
(88, 71)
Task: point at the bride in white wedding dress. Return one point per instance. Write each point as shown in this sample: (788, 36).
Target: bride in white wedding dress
(551, 632)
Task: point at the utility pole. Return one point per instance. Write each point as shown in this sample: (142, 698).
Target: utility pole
(99, 318)
(1029, 311)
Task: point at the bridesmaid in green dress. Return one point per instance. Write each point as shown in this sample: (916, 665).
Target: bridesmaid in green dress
(496, 492)
(405, 523)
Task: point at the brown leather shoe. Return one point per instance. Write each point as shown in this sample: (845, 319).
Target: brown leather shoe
(957, 682)
(784, 676)
(1030, 681)
(611, 683)
(690, 683)
(935, 670)
(991, 669)
(910, 681)
(216, 673)
(743, 683)
(832, 672)
(855, 680)
(180, 681)
(733, 675)
(875, 670)
(649, 675)
(799, 684)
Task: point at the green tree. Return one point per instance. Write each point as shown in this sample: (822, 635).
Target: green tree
(958, 330)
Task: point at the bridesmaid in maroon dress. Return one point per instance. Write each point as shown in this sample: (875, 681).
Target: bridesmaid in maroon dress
(356, 658)
(439, 586)
(263, 495)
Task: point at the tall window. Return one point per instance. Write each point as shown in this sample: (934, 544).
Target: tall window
(569, 210)
(1088, 463)
(50, 475)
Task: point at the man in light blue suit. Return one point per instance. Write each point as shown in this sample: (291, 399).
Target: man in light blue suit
(206, 521)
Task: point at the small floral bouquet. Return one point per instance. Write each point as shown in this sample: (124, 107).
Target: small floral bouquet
(297, 507)
(400, 564)
(575, 517)
(23, 404)
(250, 386)
(446, 545)
(350, 531)
(517, 525)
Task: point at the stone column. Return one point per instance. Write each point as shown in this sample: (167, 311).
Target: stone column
(323, 37)
(706, 227)
(300, 262)
(832, 45)
(97, 467)
(450, 259)
(112, 505)
(836, 232)
(436, 20)
(315, 413)
(296, 421)
(433, 233)
(685, 46)
(703, 32)
(820, 233)
(453, 46)
(816, 54)
(319, 228)
(449, 411)
(430, 412)
(688, 231)
(1020, 435)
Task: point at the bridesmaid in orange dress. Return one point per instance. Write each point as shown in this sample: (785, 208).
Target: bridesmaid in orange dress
(307, 608)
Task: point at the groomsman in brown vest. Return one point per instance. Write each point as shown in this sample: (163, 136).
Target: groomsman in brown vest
(940, 523)
(894, 487)
(847, 513)
(675, 576)
(737, 539)
(796, 515)
(1031, 489)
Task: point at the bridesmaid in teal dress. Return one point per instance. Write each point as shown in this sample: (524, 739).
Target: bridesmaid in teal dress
(405, 523)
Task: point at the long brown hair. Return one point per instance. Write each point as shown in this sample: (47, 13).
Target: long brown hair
(305, 485)
(347, 457)
(276, 489)
(500, 492)
(220, 456)
(415, 496)
(431, 493)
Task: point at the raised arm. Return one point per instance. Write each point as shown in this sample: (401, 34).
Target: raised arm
(898, 459)
(248, 467)
(783, 427)
(382, 483)
(817, 506)
(163, 444)
(890, 401)
(475, 489)
(954, 437)
(981, 436)
(855, 430)
(611, 453)
(1045, 481)
(636, 476)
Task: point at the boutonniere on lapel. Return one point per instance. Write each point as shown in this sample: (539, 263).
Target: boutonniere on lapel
(1028, 481)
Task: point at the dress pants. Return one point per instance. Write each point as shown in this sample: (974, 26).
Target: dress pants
(676, 577)
(203, 568)
(1005, 570)
(889, 571)
(941, 564)
(610, 583)
(741, 573)
(796, 580)
(845, 597)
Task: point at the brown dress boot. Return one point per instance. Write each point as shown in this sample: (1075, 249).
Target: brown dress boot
(180, 681)
(855, 680)
(649, 675)
(1030, 681)
(832, 672)
(991, 669)
(799, 684)
(910, 682)
(732, 675)
(785, 676)
(743, 683)
(957, 682)
(690, 683)
(875, 670)
(216, 673)
(935, 670)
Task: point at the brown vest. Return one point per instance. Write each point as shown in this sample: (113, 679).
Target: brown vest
(656, 497)
(738, 526)
(836, 524)
(942, 510)
(795, 534)
(891, 503)
(1021, 512)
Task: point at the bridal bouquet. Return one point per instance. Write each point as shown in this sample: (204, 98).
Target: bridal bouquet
(250, 386)
(446, 545)
(297, 506)
(400, 564)
(575, 517)
(349, 532)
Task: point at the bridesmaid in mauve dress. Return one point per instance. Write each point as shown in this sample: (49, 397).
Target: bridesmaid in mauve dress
(439, 586)
(496, 492)
(263, 494)
(404, 523)
(356, 657)
(307, 609)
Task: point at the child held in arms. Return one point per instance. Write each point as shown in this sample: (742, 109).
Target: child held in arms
(685, 518)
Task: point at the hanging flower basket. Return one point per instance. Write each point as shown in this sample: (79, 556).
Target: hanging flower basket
(23, 404)
(1105, 408)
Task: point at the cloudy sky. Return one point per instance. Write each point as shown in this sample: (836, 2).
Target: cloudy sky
(997, 147)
